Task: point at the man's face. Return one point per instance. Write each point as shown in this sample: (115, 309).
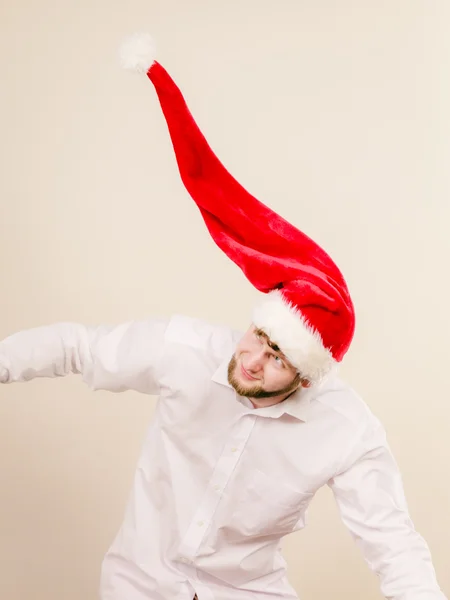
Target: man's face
(260, 371)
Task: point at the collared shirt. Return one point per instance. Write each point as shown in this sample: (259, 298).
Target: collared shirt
(219, 483)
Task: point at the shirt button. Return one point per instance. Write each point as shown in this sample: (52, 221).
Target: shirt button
(234, 449)
(185, 560)
(200, 523)
(217, 488)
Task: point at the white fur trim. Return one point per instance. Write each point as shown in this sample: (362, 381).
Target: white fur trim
(138, 52)
(4, 369)
(288, 328)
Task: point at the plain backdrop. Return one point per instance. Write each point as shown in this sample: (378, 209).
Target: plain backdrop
(333, 113)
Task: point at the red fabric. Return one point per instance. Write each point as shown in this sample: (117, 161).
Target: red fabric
(271, 252)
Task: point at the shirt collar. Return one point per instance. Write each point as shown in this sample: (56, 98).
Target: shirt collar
(297, 405)
(221, 375)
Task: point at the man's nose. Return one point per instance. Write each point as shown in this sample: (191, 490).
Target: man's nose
(255, 361)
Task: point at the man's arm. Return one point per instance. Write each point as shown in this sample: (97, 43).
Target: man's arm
(115, 358)
(370, 497)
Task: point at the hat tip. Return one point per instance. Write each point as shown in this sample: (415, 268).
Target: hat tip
(137, 52)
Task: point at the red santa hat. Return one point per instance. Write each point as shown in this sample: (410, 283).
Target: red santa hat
(306, 308)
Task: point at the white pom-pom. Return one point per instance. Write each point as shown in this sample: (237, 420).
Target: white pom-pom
(138, 52)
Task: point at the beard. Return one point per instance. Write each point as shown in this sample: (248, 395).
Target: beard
(257, 391)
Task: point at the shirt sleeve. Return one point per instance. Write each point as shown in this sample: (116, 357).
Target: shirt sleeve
(115, 358)
(370, 497)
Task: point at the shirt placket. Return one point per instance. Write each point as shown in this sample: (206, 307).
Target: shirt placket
(222, 473)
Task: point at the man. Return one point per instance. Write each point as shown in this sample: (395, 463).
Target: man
(247, 427)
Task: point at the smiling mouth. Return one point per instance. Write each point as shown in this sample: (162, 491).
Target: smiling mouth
(247, 375)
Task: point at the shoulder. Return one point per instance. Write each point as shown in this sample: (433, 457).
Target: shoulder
(216, 339)
(352, 425)
(341, 401)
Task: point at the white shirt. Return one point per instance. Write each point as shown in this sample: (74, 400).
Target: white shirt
(219, 483)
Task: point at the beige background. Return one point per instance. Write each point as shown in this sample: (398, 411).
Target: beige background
(335, 114)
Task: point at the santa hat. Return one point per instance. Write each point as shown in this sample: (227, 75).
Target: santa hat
(306, 308)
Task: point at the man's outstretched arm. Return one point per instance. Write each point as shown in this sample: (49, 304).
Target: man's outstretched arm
(369, 493)
(115, 358)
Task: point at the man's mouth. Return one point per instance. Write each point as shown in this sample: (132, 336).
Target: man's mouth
(247, 375)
